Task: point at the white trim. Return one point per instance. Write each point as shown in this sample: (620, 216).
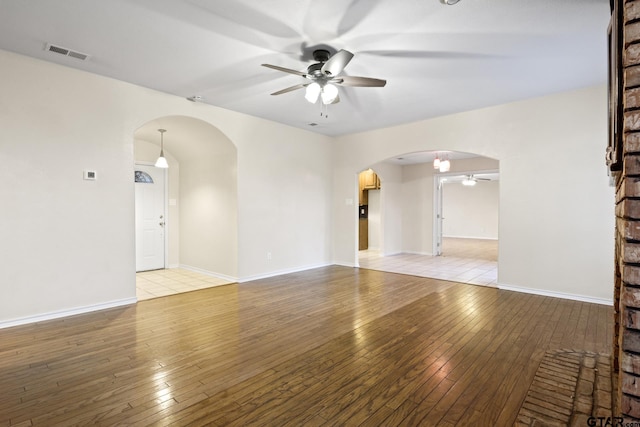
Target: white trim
(418, 253)
(582, 298)
(391, 253)
(347, 264)
(65, 313)
(281, 272)
(174, 266)
(209, 273)
(472, 237)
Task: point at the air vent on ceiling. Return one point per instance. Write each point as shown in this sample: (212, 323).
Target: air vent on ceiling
(313, 124)
(66, 52)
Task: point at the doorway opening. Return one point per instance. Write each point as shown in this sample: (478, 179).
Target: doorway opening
(199, 221)
(446, 223)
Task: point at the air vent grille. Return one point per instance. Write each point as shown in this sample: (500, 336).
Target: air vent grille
(66, 52)
(313, 124)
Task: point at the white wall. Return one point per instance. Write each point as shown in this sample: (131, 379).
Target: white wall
(68, 244)
(470, 211)
(417, 201)
(556, 228)
(390, 207)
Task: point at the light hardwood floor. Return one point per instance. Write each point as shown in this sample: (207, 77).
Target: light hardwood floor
(329, 346)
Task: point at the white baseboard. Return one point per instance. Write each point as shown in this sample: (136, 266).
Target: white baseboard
(280, 272)
(346, 264)
(472, 237)
(65, 313)
(173, 266)
(418, 253)
(210, 273)
(582, 298)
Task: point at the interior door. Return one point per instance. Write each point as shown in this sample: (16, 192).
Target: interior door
(150, 217)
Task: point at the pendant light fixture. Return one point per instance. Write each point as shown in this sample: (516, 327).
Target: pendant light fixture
(162, 162)
(436, 162)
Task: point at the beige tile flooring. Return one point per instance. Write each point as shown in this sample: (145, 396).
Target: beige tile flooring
(473, 261)
(159, 283)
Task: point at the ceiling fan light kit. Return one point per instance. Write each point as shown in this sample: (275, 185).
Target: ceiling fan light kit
(469, 182)
(324, 76)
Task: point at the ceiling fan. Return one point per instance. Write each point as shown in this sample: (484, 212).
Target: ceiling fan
(471, 180)
(324, 75)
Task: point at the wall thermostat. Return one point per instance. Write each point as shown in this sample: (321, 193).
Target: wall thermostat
(90, 175)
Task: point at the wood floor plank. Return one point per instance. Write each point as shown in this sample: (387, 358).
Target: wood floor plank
(329, 346)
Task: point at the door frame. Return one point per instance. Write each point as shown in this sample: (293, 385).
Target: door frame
(437, 204)
(165, 208)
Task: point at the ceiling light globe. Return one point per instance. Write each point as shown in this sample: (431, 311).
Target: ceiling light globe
(445, 165)
(329, 94)
(161, 162)
(312, 92)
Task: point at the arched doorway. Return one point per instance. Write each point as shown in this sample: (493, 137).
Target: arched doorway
(201, 205)
(413, 208)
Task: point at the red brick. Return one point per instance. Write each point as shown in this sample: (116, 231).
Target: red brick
(629, 229)
(631, 340)
(631, 11)
(631, 121)
(631, 384)
(630, 363)
(631, 55)
(628, 209)
(631, 252)
(632, 32)
(630, 297)
(631, 318)
(630, 406)
(631, 162)
(631, 141)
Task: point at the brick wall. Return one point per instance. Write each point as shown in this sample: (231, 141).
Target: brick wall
(626, 354)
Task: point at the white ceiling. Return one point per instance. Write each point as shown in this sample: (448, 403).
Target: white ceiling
(436, 59)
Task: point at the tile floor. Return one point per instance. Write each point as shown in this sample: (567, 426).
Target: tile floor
(159, 283)
(473, 261)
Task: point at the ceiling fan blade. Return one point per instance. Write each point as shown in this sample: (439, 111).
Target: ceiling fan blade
(360, 81)
(286, 70)
(427, 54)
(290, 89)
(337, 62)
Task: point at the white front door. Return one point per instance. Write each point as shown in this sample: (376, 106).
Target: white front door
(150, 217)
